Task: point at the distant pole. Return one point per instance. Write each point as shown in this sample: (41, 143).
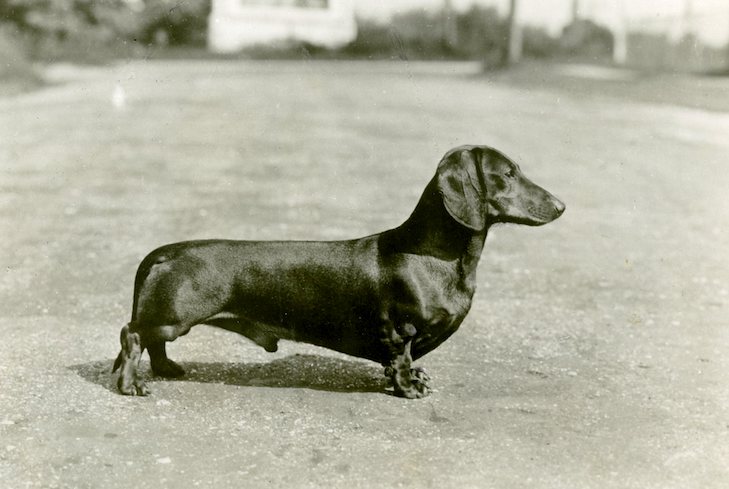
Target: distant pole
(688, 13)
(513, 41)
(726, 64)
(575, 10)
(688, 54)
(620, 41)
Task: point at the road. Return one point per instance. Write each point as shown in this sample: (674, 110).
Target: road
(594, 356)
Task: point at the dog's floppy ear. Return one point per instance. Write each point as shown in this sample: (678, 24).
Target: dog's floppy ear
(461, 188)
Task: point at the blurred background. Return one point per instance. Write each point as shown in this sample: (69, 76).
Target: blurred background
(668, 35)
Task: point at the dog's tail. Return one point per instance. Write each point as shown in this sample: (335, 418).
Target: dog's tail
(117, 362)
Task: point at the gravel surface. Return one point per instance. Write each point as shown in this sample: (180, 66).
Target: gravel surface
(594, 356)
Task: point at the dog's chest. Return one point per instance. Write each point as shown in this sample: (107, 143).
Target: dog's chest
(438, 299)
(432, 293)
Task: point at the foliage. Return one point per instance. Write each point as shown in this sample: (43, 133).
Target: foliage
(89, 29)
(537, 43)
(374, 40)
(61, 19)
(478, 34)
(15, 69)
(420, 34)
(75, 29)
(482, 33)
(174, 22)
(586, 38)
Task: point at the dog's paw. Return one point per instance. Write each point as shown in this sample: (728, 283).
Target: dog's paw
(136, 388)
(416, 387)
(417, 390)
(142, 389)
(419, 375)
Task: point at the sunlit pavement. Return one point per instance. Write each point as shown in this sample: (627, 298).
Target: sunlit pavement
(594, 356)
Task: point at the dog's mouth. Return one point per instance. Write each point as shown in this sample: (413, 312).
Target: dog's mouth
(537, 214)
(545, 213)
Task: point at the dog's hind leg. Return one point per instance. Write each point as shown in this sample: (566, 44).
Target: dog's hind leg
(154, 340)
(130, 382)
(161, 364)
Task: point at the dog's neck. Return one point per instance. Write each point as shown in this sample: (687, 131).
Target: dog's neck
(430, 230)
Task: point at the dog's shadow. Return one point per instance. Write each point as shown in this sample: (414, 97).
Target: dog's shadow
(294, 371)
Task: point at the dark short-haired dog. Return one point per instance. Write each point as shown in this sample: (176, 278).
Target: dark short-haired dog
(390, 297)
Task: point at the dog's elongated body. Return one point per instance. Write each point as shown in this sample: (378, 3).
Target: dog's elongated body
(390, 297)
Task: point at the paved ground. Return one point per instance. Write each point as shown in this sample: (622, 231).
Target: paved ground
(595, 354)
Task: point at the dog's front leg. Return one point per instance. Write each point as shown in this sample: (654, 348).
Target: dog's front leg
(408, 382)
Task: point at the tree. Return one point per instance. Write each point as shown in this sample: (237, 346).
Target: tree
(180, 22)
(62, 19)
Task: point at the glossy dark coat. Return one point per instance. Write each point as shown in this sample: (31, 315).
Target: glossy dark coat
(390, 297)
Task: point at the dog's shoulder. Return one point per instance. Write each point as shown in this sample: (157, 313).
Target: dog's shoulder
(429, 287)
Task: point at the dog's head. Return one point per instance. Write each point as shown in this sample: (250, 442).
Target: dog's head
(480, 186)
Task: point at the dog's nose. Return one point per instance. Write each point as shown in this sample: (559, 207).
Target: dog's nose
(559, 206)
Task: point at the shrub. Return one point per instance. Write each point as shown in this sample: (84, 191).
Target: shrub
(69, 29)
(537, 43)
(482, 34)
(585, 38)
(374, 40)
(174, 22)
(421, 34)
(15, 69)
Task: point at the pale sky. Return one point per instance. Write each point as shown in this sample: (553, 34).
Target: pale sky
(709, 19)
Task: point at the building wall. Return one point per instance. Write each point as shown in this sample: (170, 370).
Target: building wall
(236, 24)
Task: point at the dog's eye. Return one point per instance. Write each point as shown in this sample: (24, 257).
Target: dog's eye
(510, 174)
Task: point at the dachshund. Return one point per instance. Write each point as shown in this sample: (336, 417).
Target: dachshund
(390, 297)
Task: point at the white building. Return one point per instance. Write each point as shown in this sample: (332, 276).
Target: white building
(236, 24)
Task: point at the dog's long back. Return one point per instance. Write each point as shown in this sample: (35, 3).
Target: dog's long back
(390, 297)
